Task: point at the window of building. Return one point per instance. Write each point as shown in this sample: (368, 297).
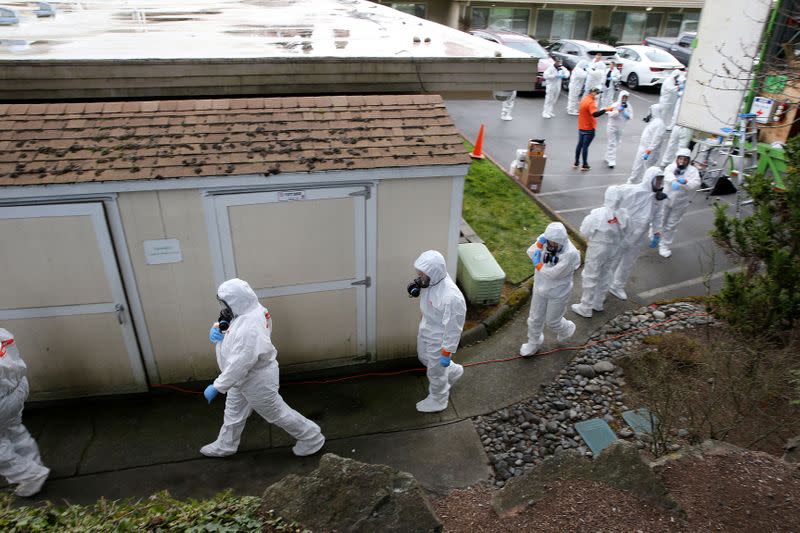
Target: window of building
(680, 22)
(417, 9)
(500, 18)
(554, 24)
(634, 26)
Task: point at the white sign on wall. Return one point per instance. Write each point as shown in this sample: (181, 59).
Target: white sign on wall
(720, 71)
(161, 251)
(291, 196)
(762, 107)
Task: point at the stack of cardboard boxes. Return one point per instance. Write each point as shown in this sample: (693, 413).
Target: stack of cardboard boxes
(532, 173)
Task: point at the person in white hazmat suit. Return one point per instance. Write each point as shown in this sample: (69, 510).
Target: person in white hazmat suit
(595, 74)
(643, 202)
(555, 259)
(679, 137)
(443, 313)
(618, 117)
(249, 374)
(20, 463)
(613, 75)
(605, 229)
(681, 180)
(507, 98)
(649, 142)
(577, 80)
(670, 91)
(552, 82)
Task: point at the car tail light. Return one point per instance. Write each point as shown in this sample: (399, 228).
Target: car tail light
(656, 69)
(619, 66)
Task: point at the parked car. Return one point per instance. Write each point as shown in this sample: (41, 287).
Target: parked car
(8, 17)
(570, 51)
(680, 47)
(44, 10)
(522, 43)
(646, 65)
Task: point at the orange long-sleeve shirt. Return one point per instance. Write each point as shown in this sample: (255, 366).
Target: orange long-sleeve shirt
(586, 111)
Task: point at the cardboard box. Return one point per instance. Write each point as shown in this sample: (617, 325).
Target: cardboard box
(536, 147)
(534, 174)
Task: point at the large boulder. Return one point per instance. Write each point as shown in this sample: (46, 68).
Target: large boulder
(619, 466)
(346, 495)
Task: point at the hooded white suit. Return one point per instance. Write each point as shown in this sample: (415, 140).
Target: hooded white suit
(679, 137)
(605, 228)
(643, 209)
(595, 76)
(680, 195)
(576, 81)
(249, 366)
(443, 313)
(613, 75)
(649, 143)
(670, 91)
(552, 82)
(617, 119)
(552, 288)
(20, 462)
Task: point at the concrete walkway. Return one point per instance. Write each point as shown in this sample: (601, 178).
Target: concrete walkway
(134, 446)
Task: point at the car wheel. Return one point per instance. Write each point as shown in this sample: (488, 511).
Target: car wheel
(633, 81)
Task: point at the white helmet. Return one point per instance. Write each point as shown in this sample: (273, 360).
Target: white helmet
(683, 152)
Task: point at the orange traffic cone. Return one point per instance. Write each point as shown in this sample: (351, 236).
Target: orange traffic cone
(477, 152)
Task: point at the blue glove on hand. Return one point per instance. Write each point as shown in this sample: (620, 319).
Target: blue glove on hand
(542, 241)
(210, 393)
(215, 335)
(682, 181)
(654, 242)
(444, 361)
(537, 257)
(675, 185)
(646, 156)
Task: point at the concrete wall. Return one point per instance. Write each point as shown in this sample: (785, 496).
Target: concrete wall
(178, 298)
(413, 216)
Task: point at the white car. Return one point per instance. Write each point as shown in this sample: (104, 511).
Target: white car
(646, 65)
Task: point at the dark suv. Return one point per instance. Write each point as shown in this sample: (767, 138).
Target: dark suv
(523, 43)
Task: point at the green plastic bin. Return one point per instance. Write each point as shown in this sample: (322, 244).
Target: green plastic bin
(479, 274)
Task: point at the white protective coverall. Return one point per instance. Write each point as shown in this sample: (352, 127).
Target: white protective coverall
(649, 143)
(679, 137)
(605, 229)
(552, 82)
(613, 75)
(680, 195)
(507, 98)
(595, 76)
(617, 119)
(20, 462)
(643, 209)
(670, 91)
(552, 288)
(576, 81)
(443, 313)
(249, 366)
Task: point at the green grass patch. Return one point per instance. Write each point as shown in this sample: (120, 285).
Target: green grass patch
(225, 512)
(504, 216)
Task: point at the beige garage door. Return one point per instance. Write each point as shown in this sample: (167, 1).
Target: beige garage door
(303, 252)
(62, 298)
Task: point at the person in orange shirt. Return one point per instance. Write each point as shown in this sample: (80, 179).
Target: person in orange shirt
(587, 124)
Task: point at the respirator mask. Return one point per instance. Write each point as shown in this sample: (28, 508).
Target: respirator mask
(657, 184)
(415, 287)
(551, 253)
(225, 315)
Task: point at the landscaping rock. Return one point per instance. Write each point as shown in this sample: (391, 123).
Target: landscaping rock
(603, 366)
(586, 371)
(792, 450)
(347, 495)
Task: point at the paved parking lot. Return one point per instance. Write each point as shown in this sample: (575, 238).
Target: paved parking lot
(572, 194)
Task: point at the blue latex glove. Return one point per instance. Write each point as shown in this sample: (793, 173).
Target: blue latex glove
(675, 185)
(646, 156)
(655, 240)
(444, 361)
(215, 335)
(210, 393)
(537, 257)
(682, 181)
(542, 241)
(626, 114)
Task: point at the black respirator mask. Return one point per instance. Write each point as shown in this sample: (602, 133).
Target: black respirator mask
(225, 315)
(415, 287)
(660, 195)
(551, 253)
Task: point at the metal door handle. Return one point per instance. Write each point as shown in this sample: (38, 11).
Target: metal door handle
(120, 309)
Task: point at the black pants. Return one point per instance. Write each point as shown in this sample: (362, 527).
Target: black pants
(585, 138)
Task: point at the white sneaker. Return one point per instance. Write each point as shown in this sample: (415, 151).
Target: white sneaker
(571, 331)
(529, 348)
(619, 293)
(579, 309)
(311, 446)
(431, 405)
(663, 251)
(214, 450)
(547, 116)
(454, 373)
(506, 117)
(28, 488)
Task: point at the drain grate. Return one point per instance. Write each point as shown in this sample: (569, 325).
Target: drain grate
(597, 434)
(640, 420)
